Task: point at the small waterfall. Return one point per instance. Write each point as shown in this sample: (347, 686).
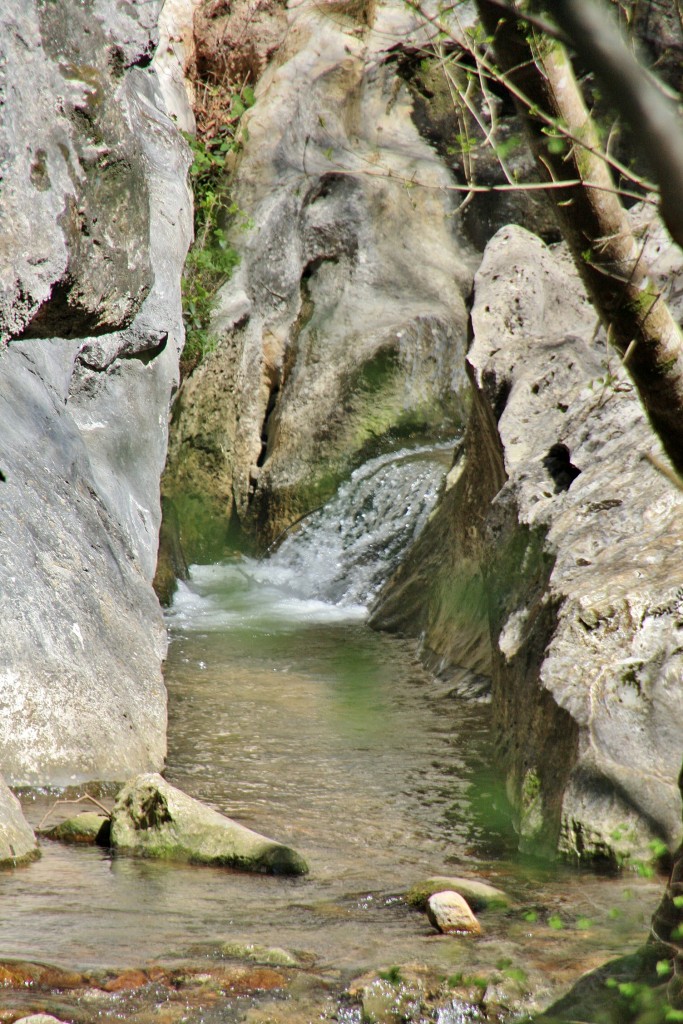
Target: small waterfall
(344, 552)
(330, 566)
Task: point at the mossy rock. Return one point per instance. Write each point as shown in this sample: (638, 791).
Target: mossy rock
(478, 895)
(271, 956)
(151, 818)
(89, 828)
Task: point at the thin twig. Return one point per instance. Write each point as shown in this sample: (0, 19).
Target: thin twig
(79, 800)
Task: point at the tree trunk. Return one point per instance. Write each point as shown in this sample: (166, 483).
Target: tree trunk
(593, 221)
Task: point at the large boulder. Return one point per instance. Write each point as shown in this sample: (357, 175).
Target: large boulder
(554, 564)
(344, 327)
(151, 818)
(96, 219)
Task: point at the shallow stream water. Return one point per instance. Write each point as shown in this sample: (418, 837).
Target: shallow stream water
(289, 714)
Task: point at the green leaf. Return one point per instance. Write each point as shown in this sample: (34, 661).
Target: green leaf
(555, 922)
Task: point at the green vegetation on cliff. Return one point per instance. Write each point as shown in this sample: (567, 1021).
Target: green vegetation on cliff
(211, 259)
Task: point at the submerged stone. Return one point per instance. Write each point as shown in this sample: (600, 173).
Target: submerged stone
(272, 956)
(479, 895)
(87, 828)
(151, 818)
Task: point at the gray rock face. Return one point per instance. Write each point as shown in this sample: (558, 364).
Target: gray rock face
(17, 841)
(344, 327)
(97, 219)
(556, 558)
(151, 818)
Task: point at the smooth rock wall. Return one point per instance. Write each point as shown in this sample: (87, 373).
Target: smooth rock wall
(95, 220)
(554, 562)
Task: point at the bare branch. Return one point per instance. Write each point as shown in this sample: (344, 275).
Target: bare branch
(596, 38)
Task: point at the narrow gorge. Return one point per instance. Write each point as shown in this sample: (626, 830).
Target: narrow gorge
(420, 553)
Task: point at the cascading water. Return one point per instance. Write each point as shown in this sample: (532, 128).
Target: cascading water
(333, 563)
(287, 713)
(346, 550)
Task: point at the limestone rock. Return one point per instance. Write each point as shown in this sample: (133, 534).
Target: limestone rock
(344, 327)
(96, 219)
(17, 841)
(151, 818)
(479, 895)
(449, 912)
(560, 540)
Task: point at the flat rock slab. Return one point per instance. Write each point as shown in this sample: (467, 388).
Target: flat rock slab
(17, 842)
(449, 912)
(478, 895)
(151, 818)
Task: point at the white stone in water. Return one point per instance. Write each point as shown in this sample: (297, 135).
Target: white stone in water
(39, 1018)
(449, 912)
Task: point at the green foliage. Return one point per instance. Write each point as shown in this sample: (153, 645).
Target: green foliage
(211, 259)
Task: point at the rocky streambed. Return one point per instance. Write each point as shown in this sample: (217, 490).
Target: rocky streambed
(288, 714)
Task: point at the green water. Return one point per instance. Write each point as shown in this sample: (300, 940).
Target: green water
(293, 717)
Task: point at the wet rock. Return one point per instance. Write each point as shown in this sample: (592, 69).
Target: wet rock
(23, 974)
(89, 828)
(17, 842)
(272, 956)
(96, 218)
(154, 819)
(344, 328)
(39, 1018)
(127, 981)
(567, 586)
(449, 912)
(479, 895)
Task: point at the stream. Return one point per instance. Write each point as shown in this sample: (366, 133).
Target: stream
(289, 714)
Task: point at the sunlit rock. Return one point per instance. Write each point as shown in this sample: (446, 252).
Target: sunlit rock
(95, 220)
(554, 563)
(449, 912)
(17, 841)
(344, 328)
(151, 818)
(88, 829)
